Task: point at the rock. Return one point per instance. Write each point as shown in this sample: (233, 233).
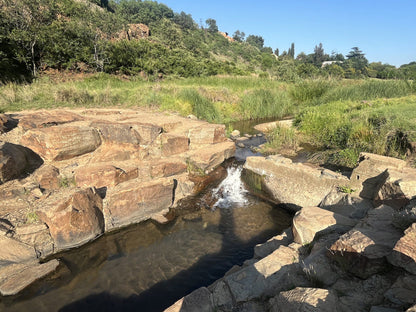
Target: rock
(362, 251)
(36, 235)
(134, 201)
(211, 157)
(110, 152)
(265, 277)
(103, 175)
(148, 132)
(404, 252)
(73, 218)
(44, 119)
(62, 142)
(403, 291)
(269, 126)
(235, 134)
(198, 300)
(303, 299)
(48, 177)
(22, 276)
(192, 117)
(6, 123)
(358, 295)
(117, 133)
(16, 160)
(312, 220)
(372, 172)
(347, 205)
(13, 251)
(412, 309)
(221, 295)
(173, 144)
(265, 249)
(286, 182)
(382, 309)
(207, 134)
(167, 168)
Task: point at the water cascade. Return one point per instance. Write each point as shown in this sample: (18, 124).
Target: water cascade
(231, 190)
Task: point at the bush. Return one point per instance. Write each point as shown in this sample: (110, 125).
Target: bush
(201, 106)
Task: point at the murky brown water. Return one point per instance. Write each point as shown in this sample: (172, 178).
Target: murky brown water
(148, 267)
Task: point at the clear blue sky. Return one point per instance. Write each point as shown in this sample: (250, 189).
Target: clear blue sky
(384, 30)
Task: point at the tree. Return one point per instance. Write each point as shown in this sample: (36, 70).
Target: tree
(256, 41)
(291, 51)
(276, 52)
(239, 36)
(212, 25)
(184, 20)
(318, 55)
(357, 60)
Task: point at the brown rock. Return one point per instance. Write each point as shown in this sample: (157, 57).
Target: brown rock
(36, 235)
(363, 250)
(62, 142)
(132, 201)
(100, 175)
(73, 218)
(148, 132)
(22, 275)
(303, 299)
(404, 253)
(16, 160)
(312, 220)
(207, 134)
(13, 251)
(286, 182)
(42, 119)
(173, 144)
(198, 300)
(6, 123)
(207, 159)
(48, 177)
(110, 152)
(117, 132)
(167, 168)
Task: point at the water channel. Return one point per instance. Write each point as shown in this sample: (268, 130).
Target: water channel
(147, 267)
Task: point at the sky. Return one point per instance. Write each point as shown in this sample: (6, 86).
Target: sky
(384, 30)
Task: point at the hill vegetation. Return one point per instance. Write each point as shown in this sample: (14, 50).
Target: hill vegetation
(96, 36)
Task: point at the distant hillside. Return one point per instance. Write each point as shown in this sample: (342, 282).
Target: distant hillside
(134, 37)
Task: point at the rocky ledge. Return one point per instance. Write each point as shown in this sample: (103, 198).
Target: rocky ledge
(351, 247)
(66, 177)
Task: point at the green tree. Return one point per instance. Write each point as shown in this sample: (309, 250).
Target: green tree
(291, 51)
(212, 25)
(318, 56)
(185, 21)
(256, 41)
(357, 60)
(239, 36)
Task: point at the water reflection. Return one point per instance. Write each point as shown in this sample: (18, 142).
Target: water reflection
(148, 267)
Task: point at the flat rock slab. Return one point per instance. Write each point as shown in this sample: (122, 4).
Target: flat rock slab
(269, 126)
(302, 299)
(13, 251)
(211, 156)
(22, 275)
(312, 220)
(294, 183)
(43, 119)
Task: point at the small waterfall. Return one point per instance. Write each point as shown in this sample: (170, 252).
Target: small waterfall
(231, 190)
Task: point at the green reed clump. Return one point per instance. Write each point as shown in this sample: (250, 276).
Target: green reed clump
(263, 103)
(281, 137)
(201, 106)
(307, 90)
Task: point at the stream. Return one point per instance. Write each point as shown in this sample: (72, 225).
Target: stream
(149, 266)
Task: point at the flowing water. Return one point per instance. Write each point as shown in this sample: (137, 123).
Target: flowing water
(147, 267)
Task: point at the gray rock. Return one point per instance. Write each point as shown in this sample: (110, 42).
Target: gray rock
(403, 291)
(305, 300)
(346, 204)
(199, 300)
(265, 249)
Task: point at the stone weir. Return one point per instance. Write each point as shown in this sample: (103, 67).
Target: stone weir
(67, 177)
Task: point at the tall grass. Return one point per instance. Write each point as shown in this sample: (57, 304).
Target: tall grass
(265, 103)
(201, 106)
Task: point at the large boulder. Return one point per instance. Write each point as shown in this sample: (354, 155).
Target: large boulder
(198, 300)
(16, 160)
(35, 234)
(172, 144)
(294, 183)
(362, 251)
(62, 142)
(403, 291)
(47, 177)
(148, 132)
(6, 123)
(348, 205)
(134, 201)
(372, 172)
(74, 217)
(404, 252)
(312, 220)
(117, 132)
(207, 134)
(302, 299)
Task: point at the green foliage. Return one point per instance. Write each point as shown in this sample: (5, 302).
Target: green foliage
(308, 90)
(212, 25)
(345, 189)
(281, 137)
(255, 41)
(264, 103)
(201, 106)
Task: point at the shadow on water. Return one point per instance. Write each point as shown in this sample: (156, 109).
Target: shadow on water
(204, 272)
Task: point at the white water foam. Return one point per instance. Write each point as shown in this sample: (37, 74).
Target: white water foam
(231, 191)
